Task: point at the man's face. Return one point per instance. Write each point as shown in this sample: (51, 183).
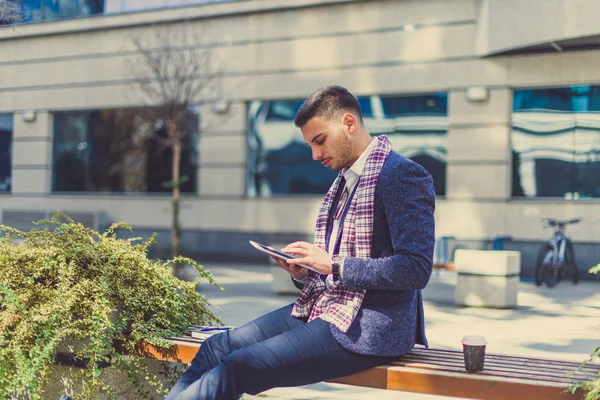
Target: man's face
(330, 141)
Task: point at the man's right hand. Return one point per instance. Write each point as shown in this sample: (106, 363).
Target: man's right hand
(297, 272)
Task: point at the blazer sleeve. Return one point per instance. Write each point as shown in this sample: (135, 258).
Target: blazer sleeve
(408, 199)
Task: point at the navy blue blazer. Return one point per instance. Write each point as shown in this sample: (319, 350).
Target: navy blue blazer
(390, 321)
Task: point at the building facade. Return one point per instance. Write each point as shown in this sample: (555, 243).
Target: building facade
(498, 99)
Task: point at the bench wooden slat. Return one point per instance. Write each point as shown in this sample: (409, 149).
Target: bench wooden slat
(541, 367)
(454, 354)
(441, 372)
(538, 371)
(490, 363)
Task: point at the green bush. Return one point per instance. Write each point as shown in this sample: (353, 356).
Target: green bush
(71, 283)
(592, 388)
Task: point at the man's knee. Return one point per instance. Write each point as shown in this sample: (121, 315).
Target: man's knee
(242, 370)
(216, 348)
(209, 355)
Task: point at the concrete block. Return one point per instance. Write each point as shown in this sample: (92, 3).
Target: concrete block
(487, 278)
(31, 180)
(37, 153)
(496, 110)
(488, 262)
(478, 181)
(479, 144)
(40, 128)
(223, 149)
(222, 181)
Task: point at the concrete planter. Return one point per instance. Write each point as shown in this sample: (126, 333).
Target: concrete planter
(487, 278)
(62, 380)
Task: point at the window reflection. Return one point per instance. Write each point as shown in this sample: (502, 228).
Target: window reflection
(28, 11)
(25, 11)
(119, 151)
(279, 162)
(556, 142)
(6, 133)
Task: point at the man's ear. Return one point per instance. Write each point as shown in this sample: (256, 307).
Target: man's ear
(349, 122)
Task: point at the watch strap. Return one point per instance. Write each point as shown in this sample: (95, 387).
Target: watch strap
(336, 264)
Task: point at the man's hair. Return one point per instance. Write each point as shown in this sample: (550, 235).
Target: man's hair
(327, 102)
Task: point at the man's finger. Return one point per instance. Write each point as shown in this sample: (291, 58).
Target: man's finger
(295, 268)
(294, 261)
(303, 245)
(277, 260)
(280, 262)
(296, 250)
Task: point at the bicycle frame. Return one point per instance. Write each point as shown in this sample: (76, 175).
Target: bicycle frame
(556, 257)
(559, 246)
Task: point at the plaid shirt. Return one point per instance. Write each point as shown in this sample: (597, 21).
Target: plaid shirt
(339, 304)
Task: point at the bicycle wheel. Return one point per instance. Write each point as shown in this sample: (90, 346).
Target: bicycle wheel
(551, 274)
(570, 265)
(544, 257)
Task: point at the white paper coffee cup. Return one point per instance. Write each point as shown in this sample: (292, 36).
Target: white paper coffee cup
(474, 353)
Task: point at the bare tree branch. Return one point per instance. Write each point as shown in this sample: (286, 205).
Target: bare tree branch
(175, 72)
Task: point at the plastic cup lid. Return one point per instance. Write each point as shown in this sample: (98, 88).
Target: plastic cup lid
(474, 340)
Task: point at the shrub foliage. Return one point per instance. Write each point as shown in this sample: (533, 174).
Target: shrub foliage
(591, 388)
(67, 282)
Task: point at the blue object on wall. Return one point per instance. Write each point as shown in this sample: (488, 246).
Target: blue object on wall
(499, 241)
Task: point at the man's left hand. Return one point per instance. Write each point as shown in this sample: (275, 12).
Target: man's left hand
(312, 256)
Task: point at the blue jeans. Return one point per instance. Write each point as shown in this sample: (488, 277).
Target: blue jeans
(275, 350)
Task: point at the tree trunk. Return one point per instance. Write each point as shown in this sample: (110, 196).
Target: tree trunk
(176, 228)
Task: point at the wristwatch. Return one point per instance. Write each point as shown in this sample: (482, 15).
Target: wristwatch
(336, 264)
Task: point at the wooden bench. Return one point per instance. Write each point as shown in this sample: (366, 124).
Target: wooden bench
(446, 266)
(441, 372)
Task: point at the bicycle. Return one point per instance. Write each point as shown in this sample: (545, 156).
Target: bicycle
(556, 258)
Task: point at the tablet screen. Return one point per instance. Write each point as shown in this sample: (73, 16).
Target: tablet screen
(282, 255)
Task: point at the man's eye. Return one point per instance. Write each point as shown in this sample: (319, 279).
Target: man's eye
(320, 142)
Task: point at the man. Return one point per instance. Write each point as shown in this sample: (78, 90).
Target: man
(373, 247)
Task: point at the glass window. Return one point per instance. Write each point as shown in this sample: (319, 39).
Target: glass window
(123, 150)
(417, 126)
(429, 104)
(280, 163)
(282, 110)
(556, 142)
(366, 108)
(120, 6)
(6, 139)
(28, 11)
(24, 11)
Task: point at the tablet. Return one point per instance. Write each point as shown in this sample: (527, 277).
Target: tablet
(278, 254)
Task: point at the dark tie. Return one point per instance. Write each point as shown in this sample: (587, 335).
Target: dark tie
(337, 206)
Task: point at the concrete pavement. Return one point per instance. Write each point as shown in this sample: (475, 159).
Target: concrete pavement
(562, 322)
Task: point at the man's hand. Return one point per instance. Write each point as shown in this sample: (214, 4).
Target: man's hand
(298, 273)
(312, 256)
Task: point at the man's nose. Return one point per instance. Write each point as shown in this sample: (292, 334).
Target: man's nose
(316, 154)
